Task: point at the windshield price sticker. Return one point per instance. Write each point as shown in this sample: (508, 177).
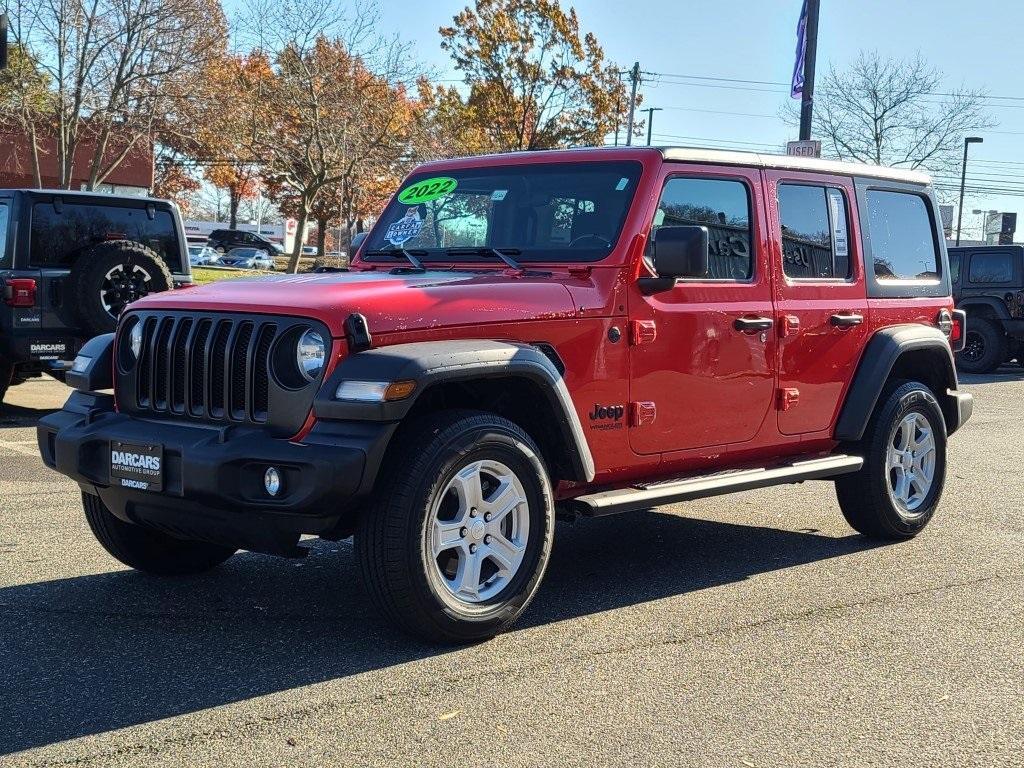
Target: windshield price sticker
(427, 190)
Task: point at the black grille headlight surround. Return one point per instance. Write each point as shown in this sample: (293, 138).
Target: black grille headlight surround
(311, 354)
(135, 340)
(129, 345)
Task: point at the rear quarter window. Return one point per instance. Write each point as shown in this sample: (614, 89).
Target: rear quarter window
(991, 268)
(904, 254)
(59, 238)
(902, 238)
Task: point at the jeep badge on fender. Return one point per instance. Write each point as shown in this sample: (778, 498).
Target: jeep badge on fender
(440, 402)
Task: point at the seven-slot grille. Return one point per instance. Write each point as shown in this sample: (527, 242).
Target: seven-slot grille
(210, 368)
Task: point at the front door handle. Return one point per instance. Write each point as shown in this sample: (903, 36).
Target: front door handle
(847, 319)
(752, 324)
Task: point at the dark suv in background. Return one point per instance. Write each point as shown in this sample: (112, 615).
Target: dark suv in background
(223, 240)
(988, 284)
(70, 262)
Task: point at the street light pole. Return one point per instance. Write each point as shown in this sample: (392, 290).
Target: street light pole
(963, 182)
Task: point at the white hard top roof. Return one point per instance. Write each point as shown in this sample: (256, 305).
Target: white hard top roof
(790, 163)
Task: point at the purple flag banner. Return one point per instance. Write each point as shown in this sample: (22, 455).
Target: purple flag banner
(796, 90)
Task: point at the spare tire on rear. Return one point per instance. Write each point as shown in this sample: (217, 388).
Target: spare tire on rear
(110, 276)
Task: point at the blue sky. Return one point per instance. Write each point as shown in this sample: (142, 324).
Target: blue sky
(976, 45)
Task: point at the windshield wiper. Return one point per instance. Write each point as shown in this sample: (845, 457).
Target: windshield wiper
(409, 255)
(501, 253)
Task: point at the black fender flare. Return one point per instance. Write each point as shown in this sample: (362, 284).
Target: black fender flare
(880, 356)
(998, 307)
(429, 363)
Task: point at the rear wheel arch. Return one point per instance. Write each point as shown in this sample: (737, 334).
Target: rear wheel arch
(900, 353)
(987, 308)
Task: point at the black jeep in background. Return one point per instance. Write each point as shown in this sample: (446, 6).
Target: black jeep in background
(70, 262)
(988, 283)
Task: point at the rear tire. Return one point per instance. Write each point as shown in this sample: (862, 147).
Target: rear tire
(898, 489)
(456, 546)
(148, 550)
(985, 347)
(110, 276)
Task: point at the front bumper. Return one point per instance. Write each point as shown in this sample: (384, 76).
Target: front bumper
(213, 475)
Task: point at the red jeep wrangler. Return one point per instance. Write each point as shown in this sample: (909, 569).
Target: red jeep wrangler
(579, 332)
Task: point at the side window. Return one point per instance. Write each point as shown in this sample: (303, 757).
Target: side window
(57, 239)
(814, 223)
(991, 267)
(954, 266)
(902, 237)
(724, 208)
(5, 260)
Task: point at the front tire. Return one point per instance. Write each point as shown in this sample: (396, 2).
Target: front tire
(898, 489)
(147, 550)
(457, 544)
(985, 348)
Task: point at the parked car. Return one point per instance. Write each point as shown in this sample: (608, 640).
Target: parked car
(247, 258)
(584, 332)
(309, 250)
(988, 284)
(70, 262)
(202, 255)
(223, 240)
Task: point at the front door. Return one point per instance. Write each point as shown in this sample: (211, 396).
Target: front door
(820, 302)
(703, 353)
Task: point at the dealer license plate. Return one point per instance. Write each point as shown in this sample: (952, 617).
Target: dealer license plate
(137, 466)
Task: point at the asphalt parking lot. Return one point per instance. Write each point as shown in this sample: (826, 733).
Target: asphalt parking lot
(752, 630)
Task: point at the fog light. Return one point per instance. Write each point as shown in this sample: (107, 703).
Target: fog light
(272, 481)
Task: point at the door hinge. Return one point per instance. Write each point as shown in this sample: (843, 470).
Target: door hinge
(788, 397)
(642, 414)
(643, 332)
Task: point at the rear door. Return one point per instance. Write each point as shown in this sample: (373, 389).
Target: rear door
(820, 298)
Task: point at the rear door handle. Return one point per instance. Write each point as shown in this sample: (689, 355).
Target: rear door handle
(847, 319)
(752, 324)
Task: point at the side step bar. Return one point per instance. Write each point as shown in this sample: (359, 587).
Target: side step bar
(701, 486)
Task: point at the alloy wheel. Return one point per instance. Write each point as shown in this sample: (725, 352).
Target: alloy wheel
(122, 285)
(476, 535)
(910, 464)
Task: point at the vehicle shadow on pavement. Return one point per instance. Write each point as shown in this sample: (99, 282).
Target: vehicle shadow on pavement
(17, 416)
(95, 653)
(1006, 373)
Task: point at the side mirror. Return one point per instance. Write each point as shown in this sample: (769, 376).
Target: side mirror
(677, 252)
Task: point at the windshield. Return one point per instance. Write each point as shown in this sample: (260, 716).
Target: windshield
(538, 212)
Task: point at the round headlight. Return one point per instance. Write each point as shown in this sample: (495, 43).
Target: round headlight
(135, 340)
(311, 354)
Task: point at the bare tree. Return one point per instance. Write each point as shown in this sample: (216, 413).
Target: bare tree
(117, 68)
(895, 112)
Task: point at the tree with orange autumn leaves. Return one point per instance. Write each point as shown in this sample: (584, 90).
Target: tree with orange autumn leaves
(534, 80)
(332, 124)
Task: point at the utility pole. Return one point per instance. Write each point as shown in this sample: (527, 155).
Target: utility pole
(634, 76)
(3, 41)
(963, 182)
(650, 121)
(810, 54)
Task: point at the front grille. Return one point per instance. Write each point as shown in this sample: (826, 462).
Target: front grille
(209, 368)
